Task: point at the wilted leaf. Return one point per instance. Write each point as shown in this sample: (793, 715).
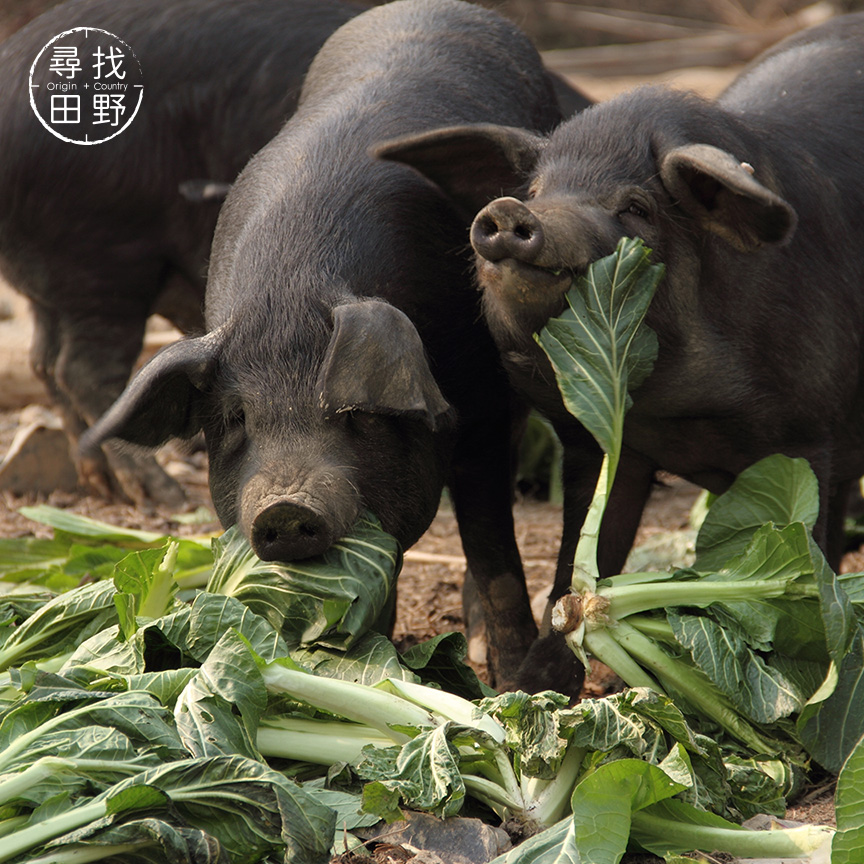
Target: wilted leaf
(533, 728)
(425, 772)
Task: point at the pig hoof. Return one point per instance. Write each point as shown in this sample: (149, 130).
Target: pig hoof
(151, 485)
(93, 474)
(289, 531)
(551, 665)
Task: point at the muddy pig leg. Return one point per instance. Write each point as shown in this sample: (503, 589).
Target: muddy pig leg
(550, 663)
(482, 488)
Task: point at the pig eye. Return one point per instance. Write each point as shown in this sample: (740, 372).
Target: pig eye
(364, 422)
(235, 417)
(636, 209)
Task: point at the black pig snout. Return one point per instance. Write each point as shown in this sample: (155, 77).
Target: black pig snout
(290, 531)
(301, 515)
(506, 228)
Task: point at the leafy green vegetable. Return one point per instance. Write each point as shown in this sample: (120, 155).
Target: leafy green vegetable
(247, 808)
(85, 548)
(779, 491)
(138, 725)
(849, 809)
(60, 624)
(597, 348)
(145, 586)
(331, 600)
(599, 352)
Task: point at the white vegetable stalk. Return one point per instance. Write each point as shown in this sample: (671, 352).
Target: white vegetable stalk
(499, 800)
(158, 599)
(28, 838)
(323, 742)
(548, 801)
(687, 680)
(448, 705)
(356, 702)
(13, 786)
(585, 570)
(621, 602)
(375, 710)
(83, 855)
(740, 842)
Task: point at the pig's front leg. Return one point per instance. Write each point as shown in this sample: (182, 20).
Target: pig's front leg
(550, 664)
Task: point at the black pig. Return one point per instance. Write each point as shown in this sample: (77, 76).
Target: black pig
(346, 364)
(100, 237)
(754, 205)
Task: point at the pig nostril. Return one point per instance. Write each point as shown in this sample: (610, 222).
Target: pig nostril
(308, 530)
(523, 232)
(486, 227)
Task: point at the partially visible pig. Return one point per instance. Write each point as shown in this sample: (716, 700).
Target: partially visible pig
(754, 205)
(100, 237)
(346, 365)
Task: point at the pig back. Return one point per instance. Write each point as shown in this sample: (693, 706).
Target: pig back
(443, 61)
(404, 67)
(219, 79)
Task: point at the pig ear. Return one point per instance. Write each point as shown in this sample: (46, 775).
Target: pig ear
(471, 164)
(726, 198)
(376, 363)
(163, 400)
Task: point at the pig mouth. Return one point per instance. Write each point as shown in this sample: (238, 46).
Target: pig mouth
(519, 298)
(523, 282)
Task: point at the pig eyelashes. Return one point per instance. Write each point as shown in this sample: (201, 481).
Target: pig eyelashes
(636, 209)
(363, 422)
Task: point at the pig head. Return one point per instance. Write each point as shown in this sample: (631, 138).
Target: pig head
(294, 468)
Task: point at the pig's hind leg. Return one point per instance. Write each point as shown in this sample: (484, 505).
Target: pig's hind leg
(85, 361)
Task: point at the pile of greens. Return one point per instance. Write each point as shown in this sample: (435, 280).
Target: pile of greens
(169, 700)
(155, 728)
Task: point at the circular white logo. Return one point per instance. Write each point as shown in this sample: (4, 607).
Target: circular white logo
(86, 86)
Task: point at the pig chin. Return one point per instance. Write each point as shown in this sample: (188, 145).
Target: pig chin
(519, 298)
(285, 523)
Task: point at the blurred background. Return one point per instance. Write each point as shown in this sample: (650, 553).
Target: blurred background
(561, 24)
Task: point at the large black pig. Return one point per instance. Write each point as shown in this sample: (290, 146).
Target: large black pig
(100, 237)
(754, 205)
(346, 364)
